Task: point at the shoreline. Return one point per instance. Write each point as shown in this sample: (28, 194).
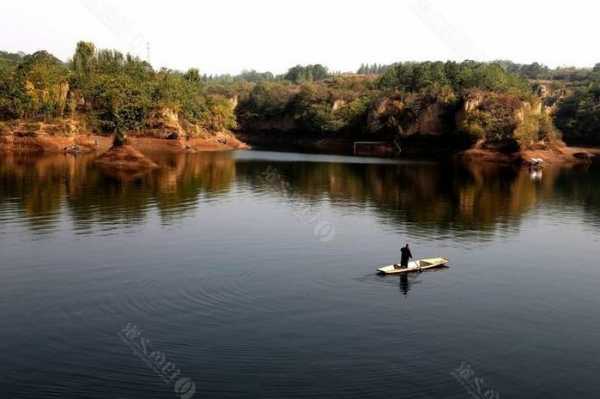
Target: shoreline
(90, 143)
(423, 148)
(228, 141)
(558, 156)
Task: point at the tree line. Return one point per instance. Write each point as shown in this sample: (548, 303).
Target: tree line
(117, 91)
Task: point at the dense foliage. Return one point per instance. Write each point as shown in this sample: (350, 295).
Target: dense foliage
(372, 69)
(313, 107)
(578, 114)
(410, 76)
(117, 92)
(306, 73)
(537, 71)
(384, 105)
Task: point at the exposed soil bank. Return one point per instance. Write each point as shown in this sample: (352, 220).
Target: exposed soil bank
(36, 137)
(49, 144)
(555, 156)
(222, 141)
(40, 137)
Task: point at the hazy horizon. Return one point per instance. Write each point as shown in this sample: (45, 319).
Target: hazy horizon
(231, 36)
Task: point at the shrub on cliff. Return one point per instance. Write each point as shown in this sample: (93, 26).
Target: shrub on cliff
(266, 99)
(578, 116)
(536, 128)
(505, 121)
(491, 117)
(11, 96)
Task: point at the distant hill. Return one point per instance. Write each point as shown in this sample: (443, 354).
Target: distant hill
(12, 58)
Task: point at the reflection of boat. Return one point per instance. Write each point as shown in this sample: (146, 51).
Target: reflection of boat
(414, 266)
(535, 174)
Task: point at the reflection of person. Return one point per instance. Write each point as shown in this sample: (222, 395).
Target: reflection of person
(404, 284)
(406, 255)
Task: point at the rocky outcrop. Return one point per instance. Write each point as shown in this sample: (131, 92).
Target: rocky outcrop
(428, 122)
(182, 135)
(408, 115)
(162, 123)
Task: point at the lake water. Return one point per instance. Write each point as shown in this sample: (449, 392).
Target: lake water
(252, 275)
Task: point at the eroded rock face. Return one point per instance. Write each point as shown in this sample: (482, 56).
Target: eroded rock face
(429, 121)
(162, 123)
(408, 115)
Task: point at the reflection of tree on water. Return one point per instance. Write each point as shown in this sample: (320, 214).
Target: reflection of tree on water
(37, 186)
(580, 186)
(42, 184)
(427, 199)
(174, 189)
(422, 199)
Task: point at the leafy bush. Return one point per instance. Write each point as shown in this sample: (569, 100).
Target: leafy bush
(578, 116)
(492, 117)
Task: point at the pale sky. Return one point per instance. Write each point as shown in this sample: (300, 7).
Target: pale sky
(227, 36)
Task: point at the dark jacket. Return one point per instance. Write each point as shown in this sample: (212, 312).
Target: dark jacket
(406, 255)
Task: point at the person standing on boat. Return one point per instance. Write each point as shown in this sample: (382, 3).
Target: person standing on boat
(406, 255)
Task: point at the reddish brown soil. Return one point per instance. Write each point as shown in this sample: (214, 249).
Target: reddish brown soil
(125, 158)
(44, 143)
(560, 155)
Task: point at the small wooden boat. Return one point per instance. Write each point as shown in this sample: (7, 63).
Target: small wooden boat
(414, 266)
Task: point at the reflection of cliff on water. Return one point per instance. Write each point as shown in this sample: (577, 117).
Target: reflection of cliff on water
(39, 186)
(454, 199)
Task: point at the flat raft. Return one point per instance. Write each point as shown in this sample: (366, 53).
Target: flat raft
(414, 266)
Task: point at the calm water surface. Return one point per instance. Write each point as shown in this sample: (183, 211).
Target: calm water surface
(253, 273)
